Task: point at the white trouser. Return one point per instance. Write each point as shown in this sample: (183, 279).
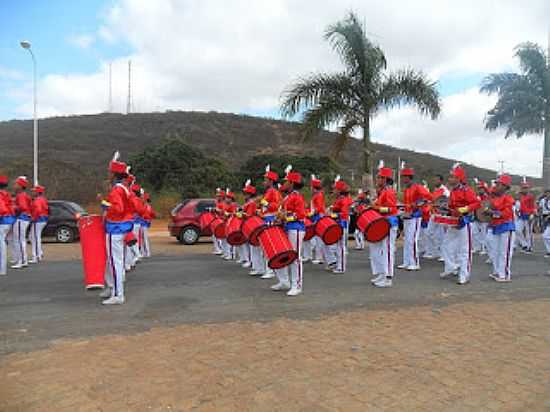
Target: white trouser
(479, 234)
(318, 249)
(4, 230)
(383, 254)
(307, 249)
(217, 245)
(504, 249)
(338, 252)
(411, 229)
(36, 240)
(228, 250)
(458, 251)
(135, 249)
(19, 245)
(490, 245)
(423, 240)
(295, 269)
(145, 244)
(257, 259)
(524, 233)
(114, 277)
(359, 239)
(435, 238)
(244, 253)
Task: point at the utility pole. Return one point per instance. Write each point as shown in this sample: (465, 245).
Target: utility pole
(501, 162)
(129, 101)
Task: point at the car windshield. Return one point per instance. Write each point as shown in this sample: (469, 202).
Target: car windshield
(179, 206)
(77, 208)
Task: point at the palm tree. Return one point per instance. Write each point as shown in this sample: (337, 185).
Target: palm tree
(352, 97)
(523, 105)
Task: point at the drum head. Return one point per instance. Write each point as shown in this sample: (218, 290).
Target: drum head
(253, 239)
(332, 235)
(377, 230)
(236, 239)
(219, 230)
(282, 259)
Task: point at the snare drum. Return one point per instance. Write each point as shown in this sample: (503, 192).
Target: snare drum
(310, 230)
(447, 220)
(206, 219)
(218, 228)
(233, 231)
(276, 247)
(328, 230)
(251, 228)
(375, 226)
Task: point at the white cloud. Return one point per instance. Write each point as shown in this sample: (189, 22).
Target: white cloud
(238, 56)
(10, 74)
(82, 41)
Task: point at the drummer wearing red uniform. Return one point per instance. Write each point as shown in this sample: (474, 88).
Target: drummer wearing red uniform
(245, 253)
(118, 223)
(360, 204)
(270, 203)
(148, 217)
(134, 254)
(503, 229)
(294, 214)
(527, 211)
(458, 242)
(250, 208)
(23, 211)
(7, 219)
(340, 212)
(415, 196)
(40, 213)
(317, 211)
(220, 209)
(383, 252)
(230, 208)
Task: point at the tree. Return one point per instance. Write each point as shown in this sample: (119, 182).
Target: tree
(523, 105)
(351, 98)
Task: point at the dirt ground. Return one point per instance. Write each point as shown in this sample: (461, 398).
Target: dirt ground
(490, 357)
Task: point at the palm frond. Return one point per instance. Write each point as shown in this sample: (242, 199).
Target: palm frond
(532, 59)
(329, 111)
(495, 82)
(410, 87)
(343, 136)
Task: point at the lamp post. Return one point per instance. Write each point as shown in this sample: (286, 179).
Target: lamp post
(27, 45)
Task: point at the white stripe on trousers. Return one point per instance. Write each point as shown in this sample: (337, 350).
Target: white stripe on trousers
(115, 260)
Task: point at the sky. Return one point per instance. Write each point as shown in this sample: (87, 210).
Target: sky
(239, 55)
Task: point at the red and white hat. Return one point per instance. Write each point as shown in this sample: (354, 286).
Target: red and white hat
(315, 182)
(459, 172)
(38, 189)
(505, 180)
(229, 194)
(220, 193)
(386, 172)
(292, 177)
(248, 188)
(22, 181)
(361, 194)
(4, 180)
(480, 184)
(269, 174)
(406, 171)
(524, 183)
(135, 188)
(115, 166)
(340, 185)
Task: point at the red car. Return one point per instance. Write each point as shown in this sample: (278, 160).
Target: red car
(185, 220)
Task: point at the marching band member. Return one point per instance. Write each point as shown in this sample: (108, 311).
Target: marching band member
(340, 212)
(317, 211)
(7, 219)
(383, 252)
(489, 238)
(230, 209)
(503, 229)
(458, 240)
(250, 208)
(220, 210)
(436, 231)
(414, 197)
(270, 203)
(527, 211)
(23, 211)
(361, 204)
(133, 255)
(294, 214)
(423, 237)
(479, 229)
(40, 213)
(118, 224)
(148, 216)
(544, 205)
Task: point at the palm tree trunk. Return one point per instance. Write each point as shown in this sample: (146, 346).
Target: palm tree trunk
(368, 181)
(546, 158)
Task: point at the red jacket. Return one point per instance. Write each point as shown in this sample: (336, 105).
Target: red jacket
(6, 204)
(120, 208)
(413, 195)
(137, 205)
(149, 213)
(527, 204)
(295, 206)
(504, 205)
(318, 203)
(250, 208)
(342, 206)
(40, 208)
(387, 198)
(230, 209)
(463, 196)
(271, 201)
(23, 204)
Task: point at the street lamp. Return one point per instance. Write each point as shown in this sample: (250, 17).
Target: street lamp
(27, 45)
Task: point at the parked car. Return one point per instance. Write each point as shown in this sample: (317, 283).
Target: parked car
(63, 221)
(185, 220)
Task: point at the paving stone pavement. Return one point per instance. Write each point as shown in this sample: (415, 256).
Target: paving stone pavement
(491, 356)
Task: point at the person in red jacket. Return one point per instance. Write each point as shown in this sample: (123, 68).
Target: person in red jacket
(148, 216)
(270, 204)
(294, 214)
(23, 211)
(415, 196)
(119, 221)
(360, 204)
(382, 253)
(317, 211)
(7, 219)
(250, 209)
(219, 210)
(340, 211)
(503, 228)
(230, 208)
(133, 253)
(527, 211)
(458, 242)
(40, 214)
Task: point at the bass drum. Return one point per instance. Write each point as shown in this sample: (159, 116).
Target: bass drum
(251, 229)
(233, 231)
(328, 230)
(375, 226)
(310, 230)
(276, 247)
(94, 250)
(206, 219)
(218, 228)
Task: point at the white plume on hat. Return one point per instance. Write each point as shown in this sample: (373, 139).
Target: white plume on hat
(116, 156)
(457, 164)
(380, 164)
(524, 179)
(268, 168)
(227, 190)
(337, 178)
(288, 169)
(247, 183)
(476, 180)
(128, 168)
(313, 177)
(359, 191)
(402, 164)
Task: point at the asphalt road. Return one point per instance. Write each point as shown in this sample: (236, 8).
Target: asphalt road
(48, 302)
